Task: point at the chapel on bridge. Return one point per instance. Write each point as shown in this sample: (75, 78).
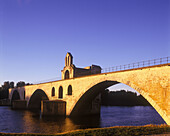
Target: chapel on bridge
(71, 71)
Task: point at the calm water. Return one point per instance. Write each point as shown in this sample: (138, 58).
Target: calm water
(31, 122)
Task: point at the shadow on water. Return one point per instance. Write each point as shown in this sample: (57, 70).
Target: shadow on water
(87, 121)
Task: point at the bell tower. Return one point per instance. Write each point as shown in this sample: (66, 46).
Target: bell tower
(68, 71)
(68, 59)
(71, 71)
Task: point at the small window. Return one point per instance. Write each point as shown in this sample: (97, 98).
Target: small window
(53, 92)
(60, 92)
(66, 74)
(69, 90)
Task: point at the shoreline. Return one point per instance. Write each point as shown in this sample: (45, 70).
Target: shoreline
(108, 131)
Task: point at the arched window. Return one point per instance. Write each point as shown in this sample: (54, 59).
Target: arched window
(66, 74)
(53, 92)
(69, 90)
(60, 92)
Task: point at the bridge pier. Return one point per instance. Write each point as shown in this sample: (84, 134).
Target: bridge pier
(19, 104)
(95, 105)
(55, 107)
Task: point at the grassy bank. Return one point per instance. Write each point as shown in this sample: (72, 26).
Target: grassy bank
(111, 131)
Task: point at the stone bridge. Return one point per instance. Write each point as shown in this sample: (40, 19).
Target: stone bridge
(78, 93)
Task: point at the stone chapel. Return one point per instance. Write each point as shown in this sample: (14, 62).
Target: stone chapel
(71, 71)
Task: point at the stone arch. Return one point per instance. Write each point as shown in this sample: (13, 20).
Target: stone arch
(24, 94)
(15, 95)
(66, 75)
(36, 98)
(95, 88)
(69, 91)
(88, 96)
(60, 92)
(53, 92)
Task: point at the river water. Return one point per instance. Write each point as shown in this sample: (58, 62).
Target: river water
(18, 121)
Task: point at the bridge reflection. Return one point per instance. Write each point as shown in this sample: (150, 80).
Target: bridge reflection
(56, 124)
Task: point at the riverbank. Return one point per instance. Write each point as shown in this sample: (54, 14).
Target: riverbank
(110, 131)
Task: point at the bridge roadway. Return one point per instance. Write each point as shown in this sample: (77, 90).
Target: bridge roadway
(81, 95)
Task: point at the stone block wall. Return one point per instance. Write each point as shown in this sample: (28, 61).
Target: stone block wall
(19, 104)
(57, 107)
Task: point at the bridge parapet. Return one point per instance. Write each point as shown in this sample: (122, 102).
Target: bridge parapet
(141, 64)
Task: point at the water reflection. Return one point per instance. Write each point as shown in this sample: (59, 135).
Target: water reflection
(31, 122)
(56, 124)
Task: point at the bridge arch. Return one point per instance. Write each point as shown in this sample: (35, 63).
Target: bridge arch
(36, 98)
(15, 95)
(85, 100)
(24, 94)
(95, 88)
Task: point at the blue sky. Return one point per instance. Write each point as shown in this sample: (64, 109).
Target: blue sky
(35, 35)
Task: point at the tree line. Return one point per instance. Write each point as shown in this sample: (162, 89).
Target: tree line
(122, 98)
(4, 90)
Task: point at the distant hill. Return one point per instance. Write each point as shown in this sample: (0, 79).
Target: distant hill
(122, 98)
